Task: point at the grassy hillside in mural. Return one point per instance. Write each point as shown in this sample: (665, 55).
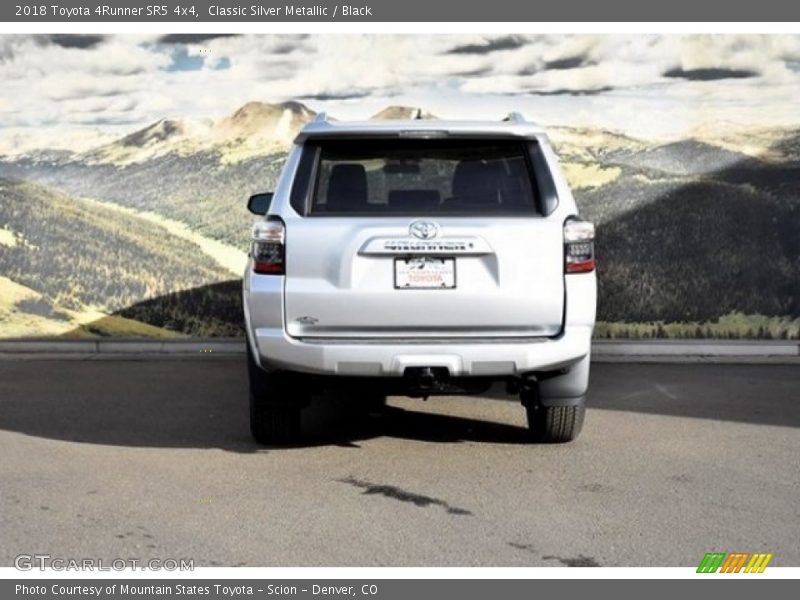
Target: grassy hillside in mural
(74, 267)
(196, 173)
(197, 190)
(696, 251)
(735, 326)
(696, 237)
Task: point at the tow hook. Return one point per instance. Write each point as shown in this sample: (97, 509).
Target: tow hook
(528, 381)
(528, 388)
(515, 385)
(425, 381)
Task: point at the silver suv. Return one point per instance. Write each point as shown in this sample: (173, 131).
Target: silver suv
(419, 258)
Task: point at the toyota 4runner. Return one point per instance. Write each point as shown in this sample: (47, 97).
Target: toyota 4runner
(419, 258)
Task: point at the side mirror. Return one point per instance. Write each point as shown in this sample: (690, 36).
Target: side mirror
(259, 203)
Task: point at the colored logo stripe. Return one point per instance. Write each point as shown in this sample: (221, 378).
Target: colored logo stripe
(734, 562)
(758, 563)
(711, 562)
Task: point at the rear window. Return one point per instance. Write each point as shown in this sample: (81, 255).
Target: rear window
(421, 177)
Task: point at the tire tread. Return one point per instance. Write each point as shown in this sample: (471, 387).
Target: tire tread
(554, 424)
(275, 406)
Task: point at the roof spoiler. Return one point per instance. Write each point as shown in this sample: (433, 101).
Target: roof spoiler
(512, 117)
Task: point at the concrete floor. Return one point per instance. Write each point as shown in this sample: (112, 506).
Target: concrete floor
(143, 459)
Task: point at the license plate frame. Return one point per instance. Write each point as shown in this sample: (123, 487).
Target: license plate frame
(442, 267)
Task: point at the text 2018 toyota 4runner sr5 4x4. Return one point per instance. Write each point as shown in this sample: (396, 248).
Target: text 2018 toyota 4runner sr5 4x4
(419, 258)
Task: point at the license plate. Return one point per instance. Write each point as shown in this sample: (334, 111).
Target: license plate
(424, 273)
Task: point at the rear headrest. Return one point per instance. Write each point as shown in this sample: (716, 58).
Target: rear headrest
(347, 188)
(476, 182)
(411, 200)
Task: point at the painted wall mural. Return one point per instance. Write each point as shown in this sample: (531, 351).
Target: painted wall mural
(126, 162)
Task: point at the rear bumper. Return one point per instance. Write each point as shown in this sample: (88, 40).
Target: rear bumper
(475, 357)
(467, 358)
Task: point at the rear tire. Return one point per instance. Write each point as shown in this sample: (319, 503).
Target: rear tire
(551, 424)
(272, 425)
(276, 404)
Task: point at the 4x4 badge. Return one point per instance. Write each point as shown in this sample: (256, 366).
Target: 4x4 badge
(424, 230)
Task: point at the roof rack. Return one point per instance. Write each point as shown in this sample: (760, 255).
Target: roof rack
(514, 117)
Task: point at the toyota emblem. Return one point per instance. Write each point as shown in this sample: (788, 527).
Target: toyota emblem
(424, 230)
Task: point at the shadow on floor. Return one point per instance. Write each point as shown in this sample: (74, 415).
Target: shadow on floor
(192, 404)
(203, 403)
(758, 394)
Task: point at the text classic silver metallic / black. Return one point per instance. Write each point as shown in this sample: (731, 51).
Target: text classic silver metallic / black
(419, 258)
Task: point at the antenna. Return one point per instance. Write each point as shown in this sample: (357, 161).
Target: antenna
(514, 117)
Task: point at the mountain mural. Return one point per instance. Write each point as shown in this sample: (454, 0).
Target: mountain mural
(402, 112)
(252, 130)
(143, 234)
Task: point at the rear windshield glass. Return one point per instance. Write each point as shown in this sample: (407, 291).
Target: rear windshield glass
(421, 177)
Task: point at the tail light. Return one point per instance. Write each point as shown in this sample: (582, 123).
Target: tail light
(268, 247)
(578, 246)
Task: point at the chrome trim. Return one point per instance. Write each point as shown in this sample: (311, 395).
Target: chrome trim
(459, 245)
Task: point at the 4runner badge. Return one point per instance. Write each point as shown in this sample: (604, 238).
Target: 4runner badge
(424, 230)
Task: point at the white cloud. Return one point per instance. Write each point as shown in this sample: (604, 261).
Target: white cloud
(130, 80)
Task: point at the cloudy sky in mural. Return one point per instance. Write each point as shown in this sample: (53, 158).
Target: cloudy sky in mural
(646, 85)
